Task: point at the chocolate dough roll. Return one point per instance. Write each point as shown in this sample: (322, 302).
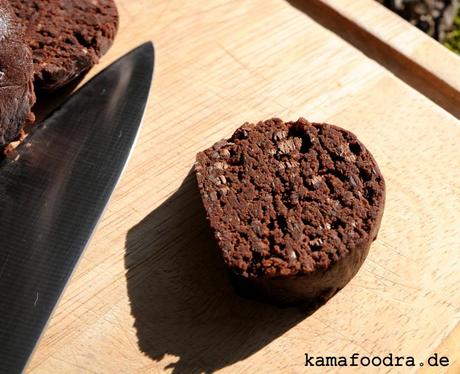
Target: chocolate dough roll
(16, 77)
(67, 37)
(294, 207)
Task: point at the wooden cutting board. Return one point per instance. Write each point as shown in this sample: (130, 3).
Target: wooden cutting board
(150, 294)
(405, 50)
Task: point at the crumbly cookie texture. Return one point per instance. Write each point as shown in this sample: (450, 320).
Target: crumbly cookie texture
(16, 77)
(290, 204)
(67, 37)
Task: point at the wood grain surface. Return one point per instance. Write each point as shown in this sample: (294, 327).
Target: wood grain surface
(150, 294)
(382, 35)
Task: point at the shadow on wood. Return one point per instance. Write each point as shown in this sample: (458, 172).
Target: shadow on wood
(181, 298)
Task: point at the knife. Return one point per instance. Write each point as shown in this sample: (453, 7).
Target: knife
(54, 193)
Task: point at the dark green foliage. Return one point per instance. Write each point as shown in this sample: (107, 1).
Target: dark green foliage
(453, 38)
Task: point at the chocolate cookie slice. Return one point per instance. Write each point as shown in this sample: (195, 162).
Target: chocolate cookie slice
(67, 37)
(16, 77)
(294, 208)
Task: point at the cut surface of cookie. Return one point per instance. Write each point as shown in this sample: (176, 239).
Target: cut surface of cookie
(294, 208)
(67, 37)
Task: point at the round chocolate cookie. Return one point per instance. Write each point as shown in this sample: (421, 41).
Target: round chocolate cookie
(294, 208)
(16, 77)
(67, 37)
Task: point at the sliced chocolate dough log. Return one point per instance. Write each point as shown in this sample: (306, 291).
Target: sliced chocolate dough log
(67, 37)
(294, 208)
(16, 77)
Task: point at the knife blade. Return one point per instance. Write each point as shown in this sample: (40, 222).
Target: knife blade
(54, 193)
